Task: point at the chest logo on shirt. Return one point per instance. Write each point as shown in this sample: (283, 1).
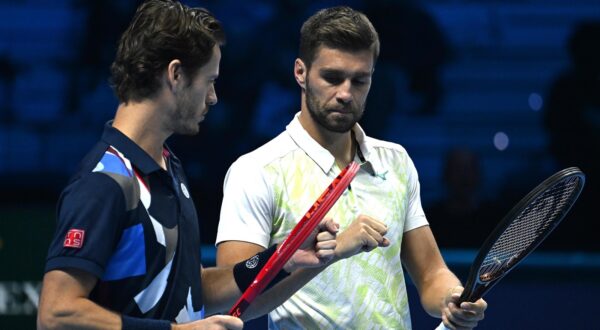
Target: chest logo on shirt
(382, 175)
(74, 238)
(185, 191)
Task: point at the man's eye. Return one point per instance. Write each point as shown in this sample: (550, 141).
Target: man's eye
(334, 80)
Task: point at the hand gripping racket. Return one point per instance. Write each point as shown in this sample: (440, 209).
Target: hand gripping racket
(299, 234)
(526, 225)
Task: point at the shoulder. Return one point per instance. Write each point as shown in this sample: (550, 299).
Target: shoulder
(385, 145)
(387, 149)
(393, 156)
(104, 175)
(270, 152)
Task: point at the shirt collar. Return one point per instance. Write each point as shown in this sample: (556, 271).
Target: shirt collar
(130, 149)
(361, 139)
(314, 150)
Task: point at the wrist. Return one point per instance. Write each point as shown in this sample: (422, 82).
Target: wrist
(246, 271)
(290, 266)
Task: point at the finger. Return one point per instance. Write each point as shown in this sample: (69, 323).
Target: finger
(369, 242)
(325, 236)
(326, 230)
(471, 311)
(454, 294)
(370, 231)
(450, 317)
(379, 226)
(230, 322)
(326, 245)
(386, 242)
(325, 255)
(462, 318)
(478, 307)
(330, 225)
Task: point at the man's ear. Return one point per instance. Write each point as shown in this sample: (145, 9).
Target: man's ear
(174, 75)
(300, 72)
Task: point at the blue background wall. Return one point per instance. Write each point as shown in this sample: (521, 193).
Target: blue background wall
(488, 97)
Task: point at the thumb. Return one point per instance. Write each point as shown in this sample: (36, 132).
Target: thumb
(454, 294)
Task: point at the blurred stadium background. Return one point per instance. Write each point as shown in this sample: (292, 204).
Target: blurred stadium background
(489, 98)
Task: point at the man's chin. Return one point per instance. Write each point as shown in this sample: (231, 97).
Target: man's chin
(339, 127)
(189, 131)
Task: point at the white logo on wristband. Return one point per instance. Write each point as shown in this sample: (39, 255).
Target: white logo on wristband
(252, 262)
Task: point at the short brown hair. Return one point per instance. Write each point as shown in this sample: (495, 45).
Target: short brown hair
(340, 28)
(161, 31)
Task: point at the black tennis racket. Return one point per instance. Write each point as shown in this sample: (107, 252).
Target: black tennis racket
(527, 224)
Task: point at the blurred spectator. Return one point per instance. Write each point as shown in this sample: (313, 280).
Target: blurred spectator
(462, 209)
(407, 75)
(572, 117)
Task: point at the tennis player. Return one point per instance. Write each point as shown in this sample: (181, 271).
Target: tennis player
(266, 190)
(126, 252)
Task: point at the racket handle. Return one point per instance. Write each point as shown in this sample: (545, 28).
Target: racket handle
(441, 327)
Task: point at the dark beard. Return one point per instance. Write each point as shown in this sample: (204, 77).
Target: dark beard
(183, 118)
(319, 114)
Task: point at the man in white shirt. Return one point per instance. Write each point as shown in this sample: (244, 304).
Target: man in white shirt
(267, 191)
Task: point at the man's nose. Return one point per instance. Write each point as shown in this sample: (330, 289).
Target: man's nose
(343, 93)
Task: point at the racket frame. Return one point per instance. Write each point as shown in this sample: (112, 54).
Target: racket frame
(307, 224)
(475, 288)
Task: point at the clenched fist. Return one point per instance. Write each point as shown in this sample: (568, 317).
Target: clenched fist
(363, 234)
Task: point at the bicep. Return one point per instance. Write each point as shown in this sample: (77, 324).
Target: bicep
(232, 252)
(420, 255)
(94, 209)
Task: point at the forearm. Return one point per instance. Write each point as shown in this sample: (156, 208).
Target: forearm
(219, 289)
(64, 303)
(78, 314)
(280, 292)
(226, 283)
(423, 261)
(435, 288)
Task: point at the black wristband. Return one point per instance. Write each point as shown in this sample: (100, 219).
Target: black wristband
(135, 323)
(245, 272)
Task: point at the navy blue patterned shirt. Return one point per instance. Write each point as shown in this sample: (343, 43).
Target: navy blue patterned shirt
(133, 225)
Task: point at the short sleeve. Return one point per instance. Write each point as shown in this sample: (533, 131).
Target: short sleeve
(247, 209)
(415, 216)
(91, 211)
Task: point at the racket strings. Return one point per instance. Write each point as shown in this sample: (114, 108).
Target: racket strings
(535, 219)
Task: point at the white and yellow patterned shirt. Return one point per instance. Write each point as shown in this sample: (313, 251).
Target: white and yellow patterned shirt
(267, 191)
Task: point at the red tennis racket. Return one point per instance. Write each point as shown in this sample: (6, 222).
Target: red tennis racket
(299, 234)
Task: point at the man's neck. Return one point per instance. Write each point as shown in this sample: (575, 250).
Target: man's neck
(140, 122)
(340, 145)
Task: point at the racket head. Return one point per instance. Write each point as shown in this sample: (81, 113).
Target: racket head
(522, 229)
